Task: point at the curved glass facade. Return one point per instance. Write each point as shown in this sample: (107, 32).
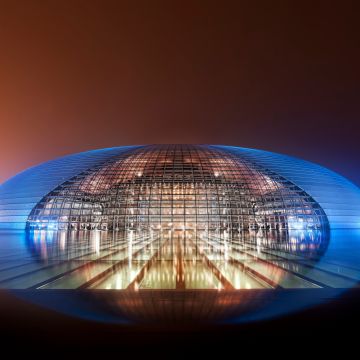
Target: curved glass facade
(178, 187)
(192, 187)
(178, 217)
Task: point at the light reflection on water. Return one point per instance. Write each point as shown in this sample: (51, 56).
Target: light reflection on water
(177, 260)
(142, 263)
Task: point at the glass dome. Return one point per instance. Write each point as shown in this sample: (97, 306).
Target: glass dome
(178, 231)
(162, 188)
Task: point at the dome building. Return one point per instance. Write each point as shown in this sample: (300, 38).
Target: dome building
(179, 231)
(193, 188)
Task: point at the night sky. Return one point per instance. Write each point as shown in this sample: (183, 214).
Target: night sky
(279, 76)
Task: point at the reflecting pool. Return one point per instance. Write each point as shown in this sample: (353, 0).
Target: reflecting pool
(176, 274)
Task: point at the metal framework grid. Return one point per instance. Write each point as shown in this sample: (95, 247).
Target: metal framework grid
(195, 188)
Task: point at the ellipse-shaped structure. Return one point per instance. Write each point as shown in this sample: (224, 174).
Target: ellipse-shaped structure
(194, 188)
(179, 231)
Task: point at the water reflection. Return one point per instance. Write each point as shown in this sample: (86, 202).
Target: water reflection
(176, 259)
(176, 275)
